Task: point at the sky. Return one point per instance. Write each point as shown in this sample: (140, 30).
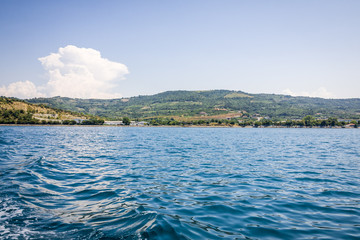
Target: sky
(113, 49)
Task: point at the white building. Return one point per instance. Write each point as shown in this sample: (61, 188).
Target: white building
(113, 123)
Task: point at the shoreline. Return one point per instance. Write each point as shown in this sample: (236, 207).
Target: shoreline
(169, 126)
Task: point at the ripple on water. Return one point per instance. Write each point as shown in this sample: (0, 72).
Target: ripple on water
(178, 183)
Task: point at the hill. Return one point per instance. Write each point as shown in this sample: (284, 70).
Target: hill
(15, 111)
(209, 105)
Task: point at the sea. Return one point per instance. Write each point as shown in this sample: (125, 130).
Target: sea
(179, 183)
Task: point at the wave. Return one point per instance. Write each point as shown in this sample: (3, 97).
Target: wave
(157, 184)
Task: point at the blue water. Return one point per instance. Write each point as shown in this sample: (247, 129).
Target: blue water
(179, 183)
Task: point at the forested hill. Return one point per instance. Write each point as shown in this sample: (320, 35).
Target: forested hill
(207, 104)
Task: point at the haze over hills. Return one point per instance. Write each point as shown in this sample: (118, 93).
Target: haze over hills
(208, 104)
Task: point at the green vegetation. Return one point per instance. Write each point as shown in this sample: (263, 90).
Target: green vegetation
(15, 111)
(308, 121)
(16, 116)
(213, 104)
(93, 121)
(180, 108)
(185, 108)
(237, 95)
(126, 121)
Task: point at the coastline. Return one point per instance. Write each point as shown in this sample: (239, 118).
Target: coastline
(173, 126)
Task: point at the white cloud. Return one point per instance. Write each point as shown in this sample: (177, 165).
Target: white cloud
(320, 92)
(73, 72)
(20, 89)
(81, 73)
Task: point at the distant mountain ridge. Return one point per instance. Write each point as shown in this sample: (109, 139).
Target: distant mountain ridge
(208, 103)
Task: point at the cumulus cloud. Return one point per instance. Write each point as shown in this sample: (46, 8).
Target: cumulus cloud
(20, 89)
(320, 92)
(82, 73)
(73, 72)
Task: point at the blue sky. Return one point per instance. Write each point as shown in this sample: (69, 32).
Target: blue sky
(105, 49)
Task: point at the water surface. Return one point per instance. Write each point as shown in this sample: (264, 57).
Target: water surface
(179, 183)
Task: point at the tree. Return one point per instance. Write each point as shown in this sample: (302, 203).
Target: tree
(289, 123)
(332, 121)
(266, 122)
(92, 121)
(257, 124)
(309, 121)
(126, 121)
(323, 123)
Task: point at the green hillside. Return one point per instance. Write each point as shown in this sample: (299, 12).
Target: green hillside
(16, 111)
(209, 104)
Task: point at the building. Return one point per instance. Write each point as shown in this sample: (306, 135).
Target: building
(113, 123)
